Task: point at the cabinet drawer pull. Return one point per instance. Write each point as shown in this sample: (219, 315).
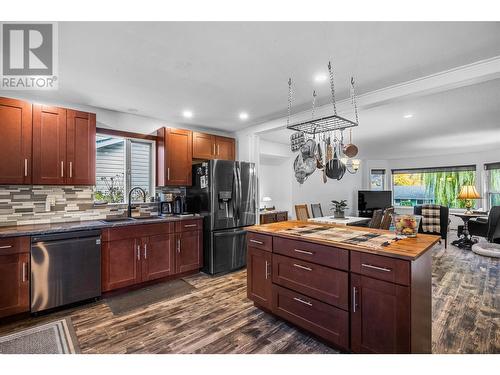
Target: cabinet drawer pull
(267, 270)
(303, 252)
(6, 247)
(218, 149)
(62, 169)
(179, 245)
(376, 268)
(214, 149)
(145, 251)
(25, 272)
(168, 174)
(257, 242)
(302, 267)
(190, 225)
(302, 301)
(138, 252)
(25, 167)
(354, 303)
(70, 169)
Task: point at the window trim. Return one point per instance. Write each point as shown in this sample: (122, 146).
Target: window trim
(127, 156)
(488, 167)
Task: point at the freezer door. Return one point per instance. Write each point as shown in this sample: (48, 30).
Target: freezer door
(229, 250)
(246, 194)
(224, 194)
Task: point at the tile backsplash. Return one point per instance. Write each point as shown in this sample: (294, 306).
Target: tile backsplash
(21, 205)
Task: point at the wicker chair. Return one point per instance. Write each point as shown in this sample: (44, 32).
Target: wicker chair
(301, 212)
(387, 218)
(376, 219)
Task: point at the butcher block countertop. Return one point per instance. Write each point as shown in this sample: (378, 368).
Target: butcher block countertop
(407, 248)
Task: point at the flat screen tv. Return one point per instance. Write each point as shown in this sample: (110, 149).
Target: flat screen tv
(369, 200)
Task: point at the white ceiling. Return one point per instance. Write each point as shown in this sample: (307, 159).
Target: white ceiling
(465, 119)
(219, 69)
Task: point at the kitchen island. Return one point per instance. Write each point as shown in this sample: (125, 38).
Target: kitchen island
(359, 289)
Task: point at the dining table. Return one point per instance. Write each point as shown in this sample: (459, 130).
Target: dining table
(347, 220)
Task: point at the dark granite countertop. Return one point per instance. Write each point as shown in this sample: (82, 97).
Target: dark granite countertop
(37, 229)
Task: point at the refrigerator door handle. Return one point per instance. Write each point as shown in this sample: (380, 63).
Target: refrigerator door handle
(238, 174)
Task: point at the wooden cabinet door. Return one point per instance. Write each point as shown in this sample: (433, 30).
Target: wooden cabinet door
(15, 141)
(158, 256)
(259, 280)
(81, 148)
(14, 283)
(204, 146)
(179, 144)
(380, 316)
(225, 148)
(121, 260)
(49, 145)
(189, 250)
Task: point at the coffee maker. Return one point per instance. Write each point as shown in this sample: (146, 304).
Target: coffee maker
(166, 204)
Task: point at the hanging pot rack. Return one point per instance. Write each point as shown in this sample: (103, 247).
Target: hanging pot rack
(328, 123)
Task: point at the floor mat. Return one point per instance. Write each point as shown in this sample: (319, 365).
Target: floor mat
(57, 337)
(143, 297)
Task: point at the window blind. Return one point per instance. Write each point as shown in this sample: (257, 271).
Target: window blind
(378, 171)
(490, 166)
(460, 168)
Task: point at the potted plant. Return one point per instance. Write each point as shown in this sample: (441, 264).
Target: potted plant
(338, 208)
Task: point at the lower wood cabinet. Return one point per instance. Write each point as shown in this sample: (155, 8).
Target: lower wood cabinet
(140, 253)
(14, 276)
(380, 316)
(259, 281)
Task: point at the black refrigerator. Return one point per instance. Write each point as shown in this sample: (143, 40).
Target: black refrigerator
(223, 192)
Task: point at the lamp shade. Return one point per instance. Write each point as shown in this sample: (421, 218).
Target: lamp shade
(468, 192)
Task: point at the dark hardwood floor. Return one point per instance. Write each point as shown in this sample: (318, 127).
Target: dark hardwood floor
(218, 318)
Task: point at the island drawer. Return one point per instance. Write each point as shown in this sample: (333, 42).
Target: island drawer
(188, 225)
(323, 320)
(381, 267)
(260, 241)
(325, 255)
(323, 283)
(14, 245)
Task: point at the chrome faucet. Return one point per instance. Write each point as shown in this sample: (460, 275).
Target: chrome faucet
(129, 209)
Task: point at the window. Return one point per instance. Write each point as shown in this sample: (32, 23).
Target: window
(377, 179)
(493, 183)
(122, 163)
(441, 185)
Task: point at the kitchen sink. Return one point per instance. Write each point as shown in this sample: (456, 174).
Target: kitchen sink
(116, 220)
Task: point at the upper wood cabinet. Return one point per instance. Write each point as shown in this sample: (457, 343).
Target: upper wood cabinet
(81, 147)
(15, 142)
(49, 145)
(63, 146)
(225, 148)
(174, 156)
(208, 146)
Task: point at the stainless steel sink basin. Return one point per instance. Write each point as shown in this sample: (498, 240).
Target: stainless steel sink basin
(116, 220)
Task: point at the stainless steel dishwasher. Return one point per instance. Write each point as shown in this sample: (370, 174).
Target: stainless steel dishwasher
(65, 268)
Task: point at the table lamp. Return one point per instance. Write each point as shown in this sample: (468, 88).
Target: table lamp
(265, 200)
(468, 192)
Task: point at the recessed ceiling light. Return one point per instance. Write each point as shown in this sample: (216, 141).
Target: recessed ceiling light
(409, 115)
(320, 77)
(243, 116)
(187, 114)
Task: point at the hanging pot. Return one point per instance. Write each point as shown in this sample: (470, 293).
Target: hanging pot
(350, 150)
(335, 169)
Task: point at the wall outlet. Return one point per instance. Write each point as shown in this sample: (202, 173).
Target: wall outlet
(49, 202)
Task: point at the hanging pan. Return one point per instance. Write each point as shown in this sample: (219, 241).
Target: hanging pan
(350, 150)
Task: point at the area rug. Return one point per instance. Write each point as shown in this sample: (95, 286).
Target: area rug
(57, 337)
(146, 296)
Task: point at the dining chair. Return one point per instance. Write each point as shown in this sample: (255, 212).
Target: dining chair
(376, 219)
(316, 210)
(387, 218)
(301, 212)
(444, 222)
